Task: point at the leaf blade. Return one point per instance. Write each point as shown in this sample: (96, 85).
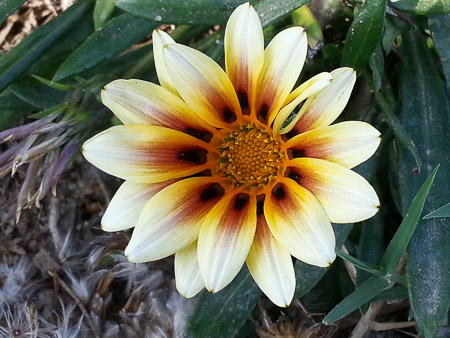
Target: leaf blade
(7, 7)
(399, 242)
(116, 36)
(368, 290)
(364, 35)
(16, 61)
(425, 111)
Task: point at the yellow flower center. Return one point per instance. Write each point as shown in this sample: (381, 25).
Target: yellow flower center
(251, 157)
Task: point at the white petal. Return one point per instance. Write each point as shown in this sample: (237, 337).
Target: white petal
(323, 108)
(299, 222)
(270, 265)
(187, 275)
(346, 196)
(160, 39)
(225, 239)
(171, 220)
(127, 204)
(283, 61)
(244, 52)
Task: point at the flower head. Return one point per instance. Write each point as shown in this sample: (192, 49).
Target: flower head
(219, 173)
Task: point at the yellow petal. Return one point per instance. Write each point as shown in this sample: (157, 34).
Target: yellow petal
(299, 222)
(225, 239)
(301, 93)
(160, 39)
(324, 107)
(270, 265)
(346, 196)
(244, 52)
(202, 84)
(283, 61)
(171, 220)
(141, 102)
(146, 154)
(187, 275)
(127, 204)
(346, 143)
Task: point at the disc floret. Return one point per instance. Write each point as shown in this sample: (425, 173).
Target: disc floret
(250, 157)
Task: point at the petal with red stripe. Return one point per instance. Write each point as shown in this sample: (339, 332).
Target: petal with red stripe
(298, 221)
(225, 239)
(146, 154)
(171, 220)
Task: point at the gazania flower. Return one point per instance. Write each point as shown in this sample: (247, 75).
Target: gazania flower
(217, 174)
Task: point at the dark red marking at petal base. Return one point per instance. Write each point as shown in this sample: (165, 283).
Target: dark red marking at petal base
(262, 114)
(260, 207)
(213, 191)
(199, 134)
(243, 100)
(291, 134)
(296, 153)
(228, 115)
(278, 191)
(294, 176)
(241, 201)
(195, 156)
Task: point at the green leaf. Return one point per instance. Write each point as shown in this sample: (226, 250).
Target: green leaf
(360, 264)
(307, 276)
(36, 94)
(12, 109)
(52, 84)
(370, 248)
(443, 211)
(51, 60)
(222, 314)
(102, 11)
(440, 29)
(363, 294)
(364, 35)
(425, 111)
(423, 7)
(7, 7)
(16, 61)
(376, 63)
(270, 11)
(116, 36)
(9, 101)
(391, 31)
(395, 293)
(401, 134)
(205, 12)
(399, 243)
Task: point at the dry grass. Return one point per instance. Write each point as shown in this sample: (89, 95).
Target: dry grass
(30, 16)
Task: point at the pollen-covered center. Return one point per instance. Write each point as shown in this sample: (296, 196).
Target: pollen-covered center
(250, 157)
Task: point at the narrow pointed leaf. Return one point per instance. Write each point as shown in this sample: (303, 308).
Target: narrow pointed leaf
(425, 111)
(102, 11)
(440, 29)
(116, 36)
(399, 243)
(18, 59)
(443, 211)
(423, 7)
(359, 263)
(205, 12)
(395, 293)
(363, 294)
(364, 35)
